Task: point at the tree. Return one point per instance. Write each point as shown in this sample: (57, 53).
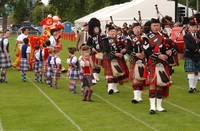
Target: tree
(4, 14)
(39, 13)
(21, 11)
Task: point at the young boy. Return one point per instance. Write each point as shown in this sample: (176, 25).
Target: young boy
(49, 74)
(57, 66)
(36, 63)
(24, 62)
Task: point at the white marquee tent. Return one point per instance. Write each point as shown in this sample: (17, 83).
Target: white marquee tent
(127, 11)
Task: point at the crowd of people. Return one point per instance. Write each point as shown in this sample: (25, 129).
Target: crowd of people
(151, 52)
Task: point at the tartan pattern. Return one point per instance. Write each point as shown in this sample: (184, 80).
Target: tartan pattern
(191, 66)
(96, 69)
(3, 61)
(24, 66)
(74, 73)
(36, 67)
(56, 73)
(151, 79)
(124, 67)
(49, 72)
(107, 69)
(40, 66)
(87, 80)
(131, 70)
(44, 67)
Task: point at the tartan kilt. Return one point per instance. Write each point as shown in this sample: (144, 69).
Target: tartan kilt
(81, 75)
(44, 67)
(107, 68)
(74, 73)
(151, 79)
(95, 61)
(56, 73)
(36, 67)
(40, 66)
(191, 66)
(87, 80)
(49, 72)
(124, 67)
(3, 61)
(24, 66)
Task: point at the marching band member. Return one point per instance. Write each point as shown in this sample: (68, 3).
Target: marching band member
(136, 52)
(192, 56)
(157, 49)
(93, 42)
(109, 49)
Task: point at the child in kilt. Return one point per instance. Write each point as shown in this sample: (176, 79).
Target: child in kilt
(5, 61)
(74, 71)
(87, 67)
(24, 62)
(45, 53)
(36, 64)
(56, 66)
(49, 73)
(41, 57)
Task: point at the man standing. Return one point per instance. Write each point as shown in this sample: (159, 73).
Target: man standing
(5, 61)
(19, 44)
(82, 37)
(158, 49)
(192, 56)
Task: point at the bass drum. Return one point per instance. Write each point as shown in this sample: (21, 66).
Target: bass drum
(179, 42)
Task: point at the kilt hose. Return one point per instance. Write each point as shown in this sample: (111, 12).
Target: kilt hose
(24, 65)
(3, 61)
(132, 74)
(97, 69)
(191, 66)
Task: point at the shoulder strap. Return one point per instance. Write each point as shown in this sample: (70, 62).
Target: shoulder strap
(154, 39)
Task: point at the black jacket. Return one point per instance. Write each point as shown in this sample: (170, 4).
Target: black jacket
(191, 46)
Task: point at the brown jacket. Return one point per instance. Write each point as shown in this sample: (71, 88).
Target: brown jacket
(80, 40)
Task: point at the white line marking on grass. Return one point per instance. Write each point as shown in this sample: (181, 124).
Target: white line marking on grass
(175, 105)
(128, 114)
(1, 126)
(123, 111)
(55, 105)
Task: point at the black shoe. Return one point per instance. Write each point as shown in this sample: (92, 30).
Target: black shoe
(152, 112)
(0, 80)
(134, 101)
(4, 82)
(195, 90)
(163, 110)
(191, 90)
(110, 91)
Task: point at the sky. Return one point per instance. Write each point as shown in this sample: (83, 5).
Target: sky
(45, 1)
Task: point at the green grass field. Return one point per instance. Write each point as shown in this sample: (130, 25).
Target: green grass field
(37, 107)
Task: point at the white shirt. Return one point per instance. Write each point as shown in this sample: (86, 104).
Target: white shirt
(37, 55)
(28, 50)
(82, 63)
(58, 61)
(21, 38)
(52, 41)
(85, 39)
(5, 42)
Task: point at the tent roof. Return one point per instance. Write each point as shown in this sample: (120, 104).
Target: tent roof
(129, 10)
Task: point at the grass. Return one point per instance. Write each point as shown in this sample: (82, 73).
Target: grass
(36, 107)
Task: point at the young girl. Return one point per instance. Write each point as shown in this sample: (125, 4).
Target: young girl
(24, 62)
(87, 67)
(49, 74)
(74, 69)
(41, 57)
(36, 63)
(56, 66)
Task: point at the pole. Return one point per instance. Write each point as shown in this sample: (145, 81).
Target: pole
(197, 5)
(187, 10)
(176, 10)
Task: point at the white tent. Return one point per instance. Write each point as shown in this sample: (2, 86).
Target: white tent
(126, 12)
